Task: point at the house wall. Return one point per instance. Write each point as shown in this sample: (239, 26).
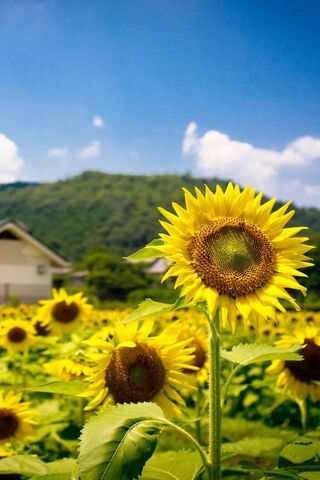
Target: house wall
(19, 272)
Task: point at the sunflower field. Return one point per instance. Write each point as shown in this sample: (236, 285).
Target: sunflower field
(223, 383)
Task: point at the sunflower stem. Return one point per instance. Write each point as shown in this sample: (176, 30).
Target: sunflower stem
(196, 444)
(303, 413)
(198, 414)
(214, 399)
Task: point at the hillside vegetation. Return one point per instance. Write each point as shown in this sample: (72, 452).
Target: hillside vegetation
(119, 211)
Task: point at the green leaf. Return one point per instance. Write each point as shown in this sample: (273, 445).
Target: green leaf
(62, 467)
(63, 388)
(297, 453)
(310, 475)
(172, 465)
(33, 467)
(253, 447)
(237, 428)
(278, 473)
(116, 443)
(23, 465)
(149, 308)
(55, 476)
(245, 354)
(149, 251)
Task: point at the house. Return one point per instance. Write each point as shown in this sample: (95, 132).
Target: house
(154, 266)
(26, 264)
(159, 266)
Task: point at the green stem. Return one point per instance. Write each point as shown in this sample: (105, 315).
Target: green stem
(303, 412)
(198, 447)
(198, 413)
(234, 370)
(214, 399)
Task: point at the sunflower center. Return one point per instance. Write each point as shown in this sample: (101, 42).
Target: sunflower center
(8, 424)
(65, 313)
(306, 370)
(17, 335)
(199, 355)
(232, 255)
(135, 374)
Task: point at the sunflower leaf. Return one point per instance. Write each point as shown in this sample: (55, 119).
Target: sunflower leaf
(253, 447)
(62, 388)
(149, 308)
(33, 467)
(248, 353)
(172, 465)
(116, 443)
(23, 465)
(150, 251)
(300, 453)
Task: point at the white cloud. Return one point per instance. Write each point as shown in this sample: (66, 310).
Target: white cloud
(58, 152)
(97, 121)
(217, 154)
(90, 151)
(10, 161)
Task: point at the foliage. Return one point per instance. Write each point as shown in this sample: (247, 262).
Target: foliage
(117, 443)
(150, 308)
(172, 465)
(110, 276)
(252, 353)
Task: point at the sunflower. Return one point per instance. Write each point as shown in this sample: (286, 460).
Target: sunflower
(300, 378)
(63, 312)
(134, 367)
(187, 329)
(66, 369)
(17, 335)
(231, 251)
(16, 419)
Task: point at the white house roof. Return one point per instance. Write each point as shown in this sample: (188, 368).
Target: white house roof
(159, 266)
(21, 232)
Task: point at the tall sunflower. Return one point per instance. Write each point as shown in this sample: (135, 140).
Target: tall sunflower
(63, 313)
(134, 367)
(231, 251)
(300, 378)
(17, 335)
(16, 419)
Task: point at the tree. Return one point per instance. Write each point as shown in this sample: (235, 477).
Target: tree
(110, 276)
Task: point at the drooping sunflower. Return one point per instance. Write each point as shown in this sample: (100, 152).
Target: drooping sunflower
(231, 251)
(300, 378)
(16, 418)
(63, 312)
(17, 335)
(66, 369)
(134, 367)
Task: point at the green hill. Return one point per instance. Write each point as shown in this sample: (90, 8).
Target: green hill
(94, 208)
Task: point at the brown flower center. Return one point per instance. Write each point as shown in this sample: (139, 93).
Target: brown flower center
(135, 374)
(308, 369)
(8, 424)
(232, 255)
(199, 355)
(17, 334)
(65, 313)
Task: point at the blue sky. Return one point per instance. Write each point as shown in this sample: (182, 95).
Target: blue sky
(153, 86)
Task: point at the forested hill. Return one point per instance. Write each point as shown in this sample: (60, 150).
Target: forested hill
(96, 208)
